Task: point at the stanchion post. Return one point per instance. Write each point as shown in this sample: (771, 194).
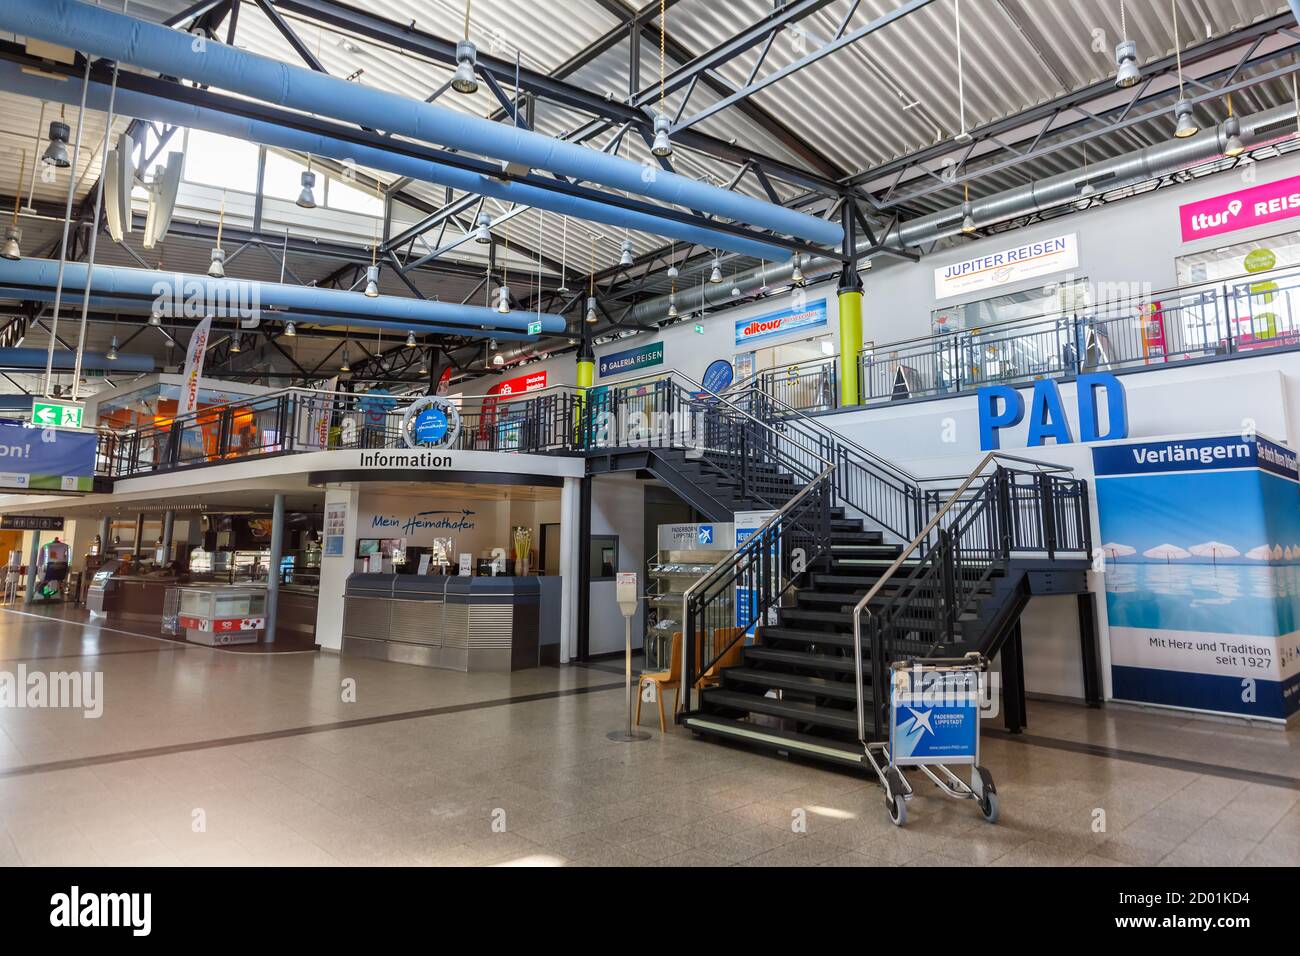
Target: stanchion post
(628, 600)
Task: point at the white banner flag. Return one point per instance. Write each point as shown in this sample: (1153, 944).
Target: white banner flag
(320, 409)
(194, 367)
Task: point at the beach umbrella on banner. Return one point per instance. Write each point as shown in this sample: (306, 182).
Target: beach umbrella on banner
(1277, 552)
(1287, 553)
(1261, 553)
(1214, 550)
(1115, 550)
(1169, 552)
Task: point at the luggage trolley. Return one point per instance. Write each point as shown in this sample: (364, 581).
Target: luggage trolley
(934, 723)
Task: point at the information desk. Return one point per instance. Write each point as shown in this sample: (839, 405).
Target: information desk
(458, 623)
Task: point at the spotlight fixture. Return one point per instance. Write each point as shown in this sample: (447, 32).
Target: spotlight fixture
(217, 267)
(112, 350)
(307, 198)
(503, 299)
(410, 340)
(483, 231)
(796, 271)
(56, 153)
(372, 282)
(715, 275)
(11, 250)
(625, 259)
(563, 288)
(498, 360)
(290, 330)
(424, 366)
(1232, 144)
(591, 310)
(465, 80)
(1186, 122)
(235, 347)
(663, 146)
(672, 306)
(345, 366)
(1127, 74)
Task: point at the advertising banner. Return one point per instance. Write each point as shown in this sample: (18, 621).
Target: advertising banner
(934, 719)
(189, 400)
(524, 383)
(45, 459)
(1029, 261)
(1201, 551)
(746, 525)
(1269, 202)
(810, 315)
(630, 360)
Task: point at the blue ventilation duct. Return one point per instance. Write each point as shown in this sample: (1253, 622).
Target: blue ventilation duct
(157, 109)
(169, 52)
(18, 360)
(26, 278)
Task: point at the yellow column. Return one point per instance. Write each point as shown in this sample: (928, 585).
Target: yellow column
(850, 339)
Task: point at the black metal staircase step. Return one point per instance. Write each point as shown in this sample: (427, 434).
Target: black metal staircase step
(795, 683)
(782, 632)
(774, 657)
(773, 739)
(888, 553)
(799, 711)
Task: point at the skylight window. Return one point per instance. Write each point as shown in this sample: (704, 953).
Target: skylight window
(221, 161)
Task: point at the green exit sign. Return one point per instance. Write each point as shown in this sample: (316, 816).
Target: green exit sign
(48, 413)
(535, 327)
(699, 329)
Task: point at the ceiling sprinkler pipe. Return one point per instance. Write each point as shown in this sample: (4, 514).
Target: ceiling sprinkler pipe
(187, 116)
(119, 37)
(147, 284)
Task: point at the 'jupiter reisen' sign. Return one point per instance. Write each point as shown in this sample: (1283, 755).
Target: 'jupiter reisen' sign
(1028, 261)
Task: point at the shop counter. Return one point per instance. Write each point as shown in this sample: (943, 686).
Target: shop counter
(459, 623)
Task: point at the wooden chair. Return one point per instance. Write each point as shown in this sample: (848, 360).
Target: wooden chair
(670, 679)
(730, 657)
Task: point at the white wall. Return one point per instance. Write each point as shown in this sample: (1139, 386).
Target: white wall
(334, 571)
(617, 507)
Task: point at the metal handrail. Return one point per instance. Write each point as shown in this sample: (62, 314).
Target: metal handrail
(823, 477)
(907, 551)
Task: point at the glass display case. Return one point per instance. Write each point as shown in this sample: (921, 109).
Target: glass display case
(222, 614)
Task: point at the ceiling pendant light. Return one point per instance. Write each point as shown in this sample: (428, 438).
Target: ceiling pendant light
(1127, 73)
(663, 146)
(967, 214)
(372, 282)
(112, 350)
(345, 366)
(625, 259)
(56, 152)
(591, 310)
(1185, 122)
(14, 235)
(424, 365)
(796, 271)
(155, 318)
(590, 317)
(1086, 189)
(1232, 143)
(410, 340)
(715, 273)
(963, 135)
(672, 305)
(483, 231)
(290, 330)
(217, 267)
(235, 347)
(464, 80)
(503, 299)
(564, 257)
(307, 198)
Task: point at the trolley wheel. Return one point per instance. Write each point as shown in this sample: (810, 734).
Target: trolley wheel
(897, 808)
(989, 800)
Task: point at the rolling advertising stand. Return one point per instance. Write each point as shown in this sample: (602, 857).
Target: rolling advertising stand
(934, 723)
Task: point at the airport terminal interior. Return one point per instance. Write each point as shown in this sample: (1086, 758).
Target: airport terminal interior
(620, 433)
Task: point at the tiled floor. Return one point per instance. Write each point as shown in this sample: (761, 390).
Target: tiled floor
(432, 767)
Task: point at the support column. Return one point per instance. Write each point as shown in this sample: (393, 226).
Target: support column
(273, 572)
(586, 377)
(584, 570)
(1088, 650)
(169, 528)
(850, 296)
(32, 555)
(139, 535)
(570, 546)
(335, 568)
(1013, 683)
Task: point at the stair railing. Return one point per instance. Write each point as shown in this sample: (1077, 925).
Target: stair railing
(972, 533)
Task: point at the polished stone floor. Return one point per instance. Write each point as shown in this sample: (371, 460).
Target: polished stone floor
(207, 757)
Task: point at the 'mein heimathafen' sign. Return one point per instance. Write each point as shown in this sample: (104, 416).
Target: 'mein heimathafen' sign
(45, 459)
